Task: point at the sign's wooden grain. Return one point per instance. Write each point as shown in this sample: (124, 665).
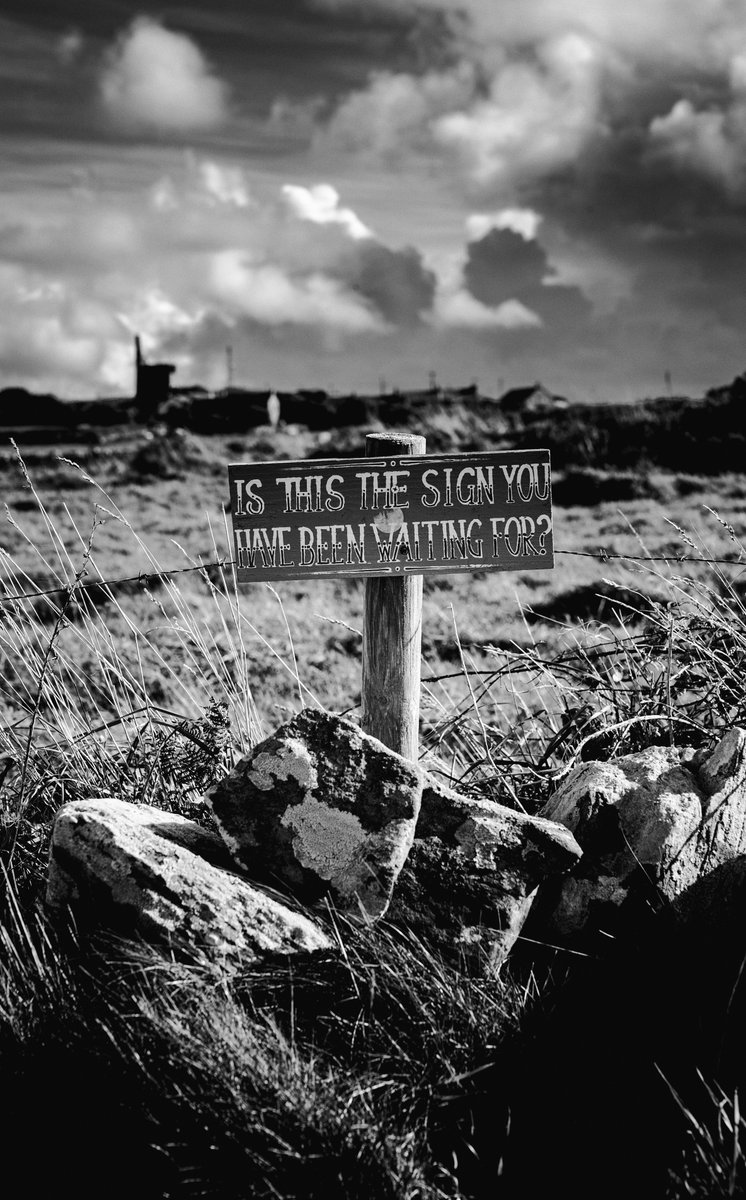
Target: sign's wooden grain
(392, 515)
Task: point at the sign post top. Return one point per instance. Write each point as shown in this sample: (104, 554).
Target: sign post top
(392, 514)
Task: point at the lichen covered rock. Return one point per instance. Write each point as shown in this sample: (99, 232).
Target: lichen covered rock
(473, 872)
(145, 872)
(323, 809)
(651, 825)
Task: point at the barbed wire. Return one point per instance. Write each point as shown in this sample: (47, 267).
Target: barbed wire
(606, 555)
(143, 578)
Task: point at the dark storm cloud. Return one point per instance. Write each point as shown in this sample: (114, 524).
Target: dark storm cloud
(504, 266)
(395, 281)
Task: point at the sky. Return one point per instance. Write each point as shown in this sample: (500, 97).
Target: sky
(357, 193)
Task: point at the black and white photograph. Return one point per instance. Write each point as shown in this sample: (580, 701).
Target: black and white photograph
(373, 599)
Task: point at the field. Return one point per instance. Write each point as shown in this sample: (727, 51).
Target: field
(160, 503)
(392, 1074)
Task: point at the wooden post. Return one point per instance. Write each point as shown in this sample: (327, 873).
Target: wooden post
(392, 635)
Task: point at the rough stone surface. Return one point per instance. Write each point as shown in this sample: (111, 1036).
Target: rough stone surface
(323, 809)
(158, 875)
(473, 871)
(651, 825)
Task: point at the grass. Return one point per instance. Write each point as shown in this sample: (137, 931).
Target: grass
(333, 1079)
(381, 1070)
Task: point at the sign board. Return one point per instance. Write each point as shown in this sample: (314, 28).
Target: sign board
(388, 516)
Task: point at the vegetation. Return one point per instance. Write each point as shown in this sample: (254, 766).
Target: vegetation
(675, 433)
(382, 1070)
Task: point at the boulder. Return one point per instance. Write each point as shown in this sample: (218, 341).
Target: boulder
(323, 809)
(651, 826)
(473, 872)
(157, 875)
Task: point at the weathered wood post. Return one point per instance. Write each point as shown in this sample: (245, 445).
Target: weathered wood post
(392, 635)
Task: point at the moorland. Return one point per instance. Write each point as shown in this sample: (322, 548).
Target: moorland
(388, 1072)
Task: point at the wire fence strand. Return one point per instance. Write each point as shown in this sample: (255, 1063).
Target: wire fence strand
(144, 578)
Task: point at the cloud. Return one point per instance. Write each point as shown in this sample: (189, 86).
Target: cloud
(457, 307)
(154, 315)
(710, 141)
(70, 46)
(520, 220)
(505, 266)
(502, 265)
(153, 78)
(698, 31)
(392, 116)
(50, 333)
(163, 195)
(505, 115)
(537, 117)
(396, 282)
(194, 251)
(460, 310)
(205, 184)
(698, 140)
(268, 295)
(570, 94)
(224, 184)
(320, 204)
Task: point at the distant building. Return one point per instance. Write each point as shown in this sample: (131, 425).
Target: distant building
(531, 401)
(152, 384)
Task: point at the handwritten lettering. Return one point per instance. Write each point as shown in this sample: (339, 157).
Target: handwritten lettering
(312, 494)
(446, 513)
(381, 489)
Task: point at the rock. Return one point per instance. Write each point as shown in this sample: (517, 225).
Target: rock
(473, 871)
(162, 877)
(323, 809)
(651, 825)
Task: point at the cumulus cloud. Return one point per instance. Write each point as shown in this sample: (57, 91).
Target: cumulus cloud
(392, 116)
(396, 282)
(204, 185)
(537, 117)
(461, 310)
(153, 78)
(520, 220)
(457, 307)
(507, 114)
(155, 315)
(574, 94)
(320, 204)
(696, 139)
(208, 260)
(224, 184)
(51, 334)
(268, 295)
(200, 252)
(710, 141)
(505, 266)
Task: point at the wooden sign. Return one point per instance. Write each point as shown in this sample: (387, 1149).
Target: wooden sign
(392, 515)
